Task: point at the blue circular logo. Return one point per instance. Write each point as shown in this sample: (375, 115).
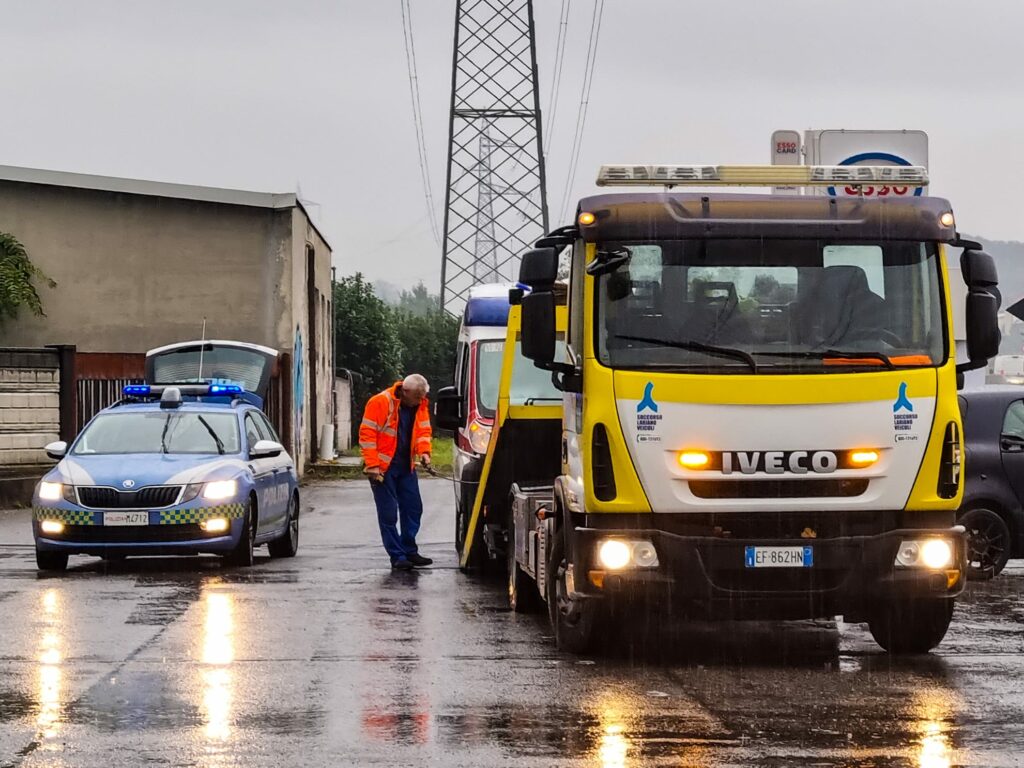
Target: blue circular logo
(886, 157)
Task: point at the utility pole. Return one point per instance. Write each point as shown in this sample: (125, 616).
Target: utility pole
(496, 198)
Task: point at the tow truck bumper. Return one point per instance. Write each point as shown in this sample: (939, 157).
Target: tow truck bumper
(711, 576)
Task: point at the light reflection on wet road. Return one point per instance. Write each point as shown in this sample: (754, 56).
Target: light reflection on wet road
(331, 659)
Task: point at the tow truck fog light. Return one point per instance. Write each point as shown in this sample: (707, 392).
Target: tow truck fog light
(694, 459)
(909, 554)
(947, 219)
(215, 525)
(587, 218)
(936, 554)
(645, 555)
(863, 458)
(614, 554)
(52, 526)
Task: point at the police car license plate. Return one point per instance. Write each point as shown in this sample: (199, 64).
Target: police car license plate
(779, 557)
(126, 518)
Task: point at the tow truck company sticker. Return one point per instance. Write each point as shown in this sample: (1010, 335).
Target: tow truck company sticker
(904, 420)
(647, 417)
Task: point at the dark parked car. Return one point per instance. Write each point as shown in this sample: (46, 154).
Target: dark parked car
(992, 509)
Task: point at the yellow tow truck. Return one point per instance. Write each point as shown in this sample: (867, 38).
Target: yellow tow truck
(759, 414)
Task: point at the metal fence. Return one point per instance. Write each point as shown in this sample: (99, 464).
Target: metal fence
(93, 395)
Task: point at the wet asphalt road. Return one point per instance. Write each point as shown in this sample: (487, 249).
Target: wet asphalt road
(330, 659)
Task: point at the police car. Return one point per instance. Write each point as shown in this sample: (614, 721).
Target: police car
(169, 470)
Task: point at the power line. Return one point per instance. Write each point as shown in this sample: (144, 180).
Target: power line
(417, 116)
(556, 78)
(581, 117)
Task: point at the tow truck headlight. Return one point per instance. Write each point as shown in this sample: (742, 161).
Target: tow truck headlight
(935, 554)
(221, 489)
(51, 526)
(51, 491)
(479, 437)
(616, 554)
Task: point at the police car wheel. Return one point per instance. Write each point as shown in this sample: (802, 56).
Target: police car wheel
(288, 543)
(242, 555)
(51, 561)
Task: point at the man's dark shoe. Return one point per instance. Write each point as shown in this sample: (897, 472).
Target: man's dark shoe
(419, 560)
(401, 565)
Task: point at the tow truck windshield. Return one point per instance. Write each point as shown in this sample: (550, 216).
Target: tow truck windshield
(160, 432)
(778, 306)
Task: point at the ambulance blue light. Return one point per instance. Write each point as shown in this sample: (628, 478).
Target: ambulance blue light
(136, 390)
(225, 389)
(487, 310)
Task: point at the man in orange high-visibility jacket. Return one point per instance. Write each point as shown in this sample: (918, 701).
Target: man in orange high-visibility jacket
(394, 435)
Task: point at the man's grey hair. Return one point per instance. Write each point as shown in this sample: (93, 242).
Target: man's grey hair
(414, 382)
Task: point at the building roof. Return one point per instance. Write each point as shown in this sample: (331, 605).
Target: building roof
(246, 198)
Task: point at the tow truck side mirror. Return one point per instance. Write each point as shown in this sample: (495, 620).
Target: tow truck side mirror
(448, 409)
(982, 310)
(538, 327)
(539, 268)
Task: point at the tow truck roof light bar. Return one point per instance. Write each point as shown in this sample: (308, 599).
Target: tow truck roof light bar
(760, 175)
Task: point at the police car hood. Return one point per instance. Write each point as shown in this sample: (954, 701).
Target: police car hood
(145, 469)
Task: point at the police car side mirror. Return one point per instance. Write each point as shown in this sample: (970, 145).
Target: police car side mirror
(266, 449)
(57, 450)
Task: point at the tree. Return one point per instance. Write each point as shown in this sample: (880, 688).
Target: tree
(367, 338)
(427, 336)
(16, 276)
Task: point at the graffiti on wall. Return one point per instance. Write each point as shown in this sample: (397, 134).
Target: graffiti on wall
(298, 395)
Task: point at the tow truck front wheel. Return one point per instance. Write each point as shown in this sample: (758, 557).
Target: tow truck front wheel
(911, 626)
(573, 620)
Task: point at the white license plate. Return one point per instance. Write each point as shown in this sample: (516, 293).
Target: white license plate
(126, 518)
(779, 557)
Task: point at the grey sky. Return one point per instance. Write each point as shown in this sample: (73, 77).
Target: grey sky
(266, 95)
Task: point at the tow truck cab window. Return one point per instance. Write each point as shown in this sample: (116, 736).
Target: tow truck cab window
(787, 304)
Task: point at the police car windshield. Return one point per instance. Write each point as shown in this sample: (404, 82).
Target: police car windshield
(160, 432)
(530, 384)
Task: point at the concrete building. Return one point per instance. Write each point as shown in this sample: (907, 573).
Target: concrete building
(140, 264)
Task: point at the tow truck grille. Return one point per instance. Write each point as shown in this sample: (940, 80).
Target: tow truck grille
(777, 489)
(153, 497)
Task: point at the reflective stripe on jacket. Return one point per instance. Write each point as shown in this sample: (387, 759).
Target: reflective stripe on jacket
(378, 434)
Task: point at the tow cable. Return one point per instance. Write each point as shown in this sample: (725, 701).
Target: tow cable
(434, 473)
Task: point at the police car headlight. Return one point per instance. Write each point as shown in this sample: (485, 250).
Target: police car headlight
(51, 491)
(222, 489)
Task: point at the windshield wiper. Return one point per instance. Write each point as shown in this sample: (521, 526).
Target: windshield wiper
(216, 437)
(696, 346)
(163, 435)
(836, 353)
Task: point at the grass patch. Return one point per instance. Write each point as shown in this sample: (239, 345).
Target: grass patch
(441, 458)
